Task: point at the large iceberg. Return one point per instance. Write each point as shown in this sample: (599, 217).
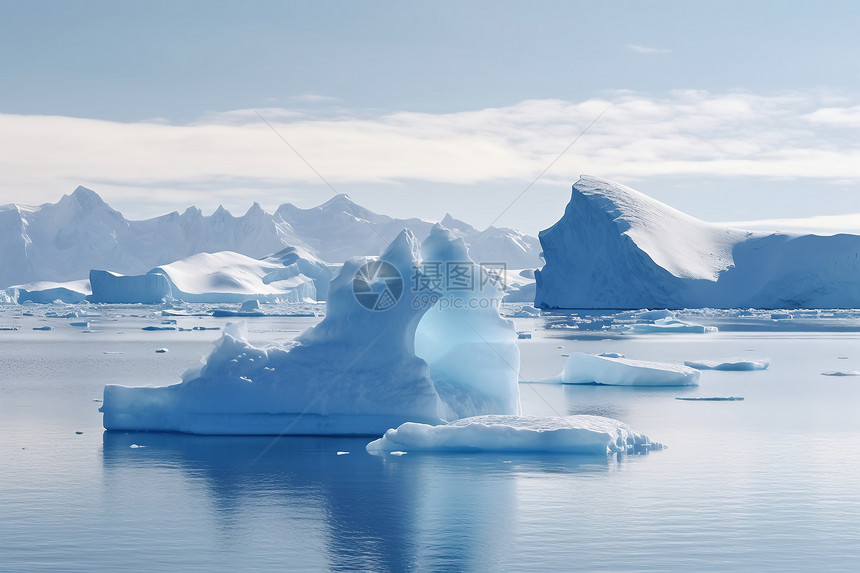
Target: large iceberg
(290, 275)
(396, 345)
(581, 434)
(618, 248)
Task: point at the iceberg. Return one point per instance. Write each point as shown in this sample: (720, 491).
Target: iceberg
(46, 292)
(290, 275)
(582, 434)
(395, 346)
(737, 365)
(616, 248)
(584, 368)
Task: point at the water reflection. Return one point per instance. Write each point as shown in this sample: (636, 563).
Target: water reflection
(425, 512)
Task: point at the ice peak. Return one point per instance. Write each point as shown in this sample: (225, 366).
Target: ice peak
(86, 198)
(255, 210)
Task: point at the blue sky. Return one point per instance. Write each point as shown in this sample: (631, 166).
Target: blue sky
(731, 111)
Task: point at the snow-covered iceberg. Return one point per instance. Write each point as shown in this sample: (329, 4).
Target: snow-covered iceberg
(582, 434)
(46, 292)
(618, 248)
(290, 275)
(394, 347)
(584, 368)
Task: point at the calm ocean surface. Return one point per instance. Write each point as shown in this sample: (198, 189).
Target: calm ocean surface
(769, 483)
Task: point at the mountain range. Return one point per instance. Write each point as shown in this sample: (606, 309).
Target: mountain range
(63, 241)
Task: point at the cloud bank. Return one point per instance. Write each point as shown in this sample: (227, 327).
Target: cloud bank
(690, 133)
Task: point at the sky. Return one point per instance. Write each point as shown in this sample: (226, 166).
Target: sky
(747, 112)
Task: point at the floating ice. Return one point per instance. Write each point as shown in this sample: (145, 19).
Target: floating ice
(669, 326)
(841, 373)
(359, 371)
(728, 364)
(712, 398)
(590, 369)
(583, 434)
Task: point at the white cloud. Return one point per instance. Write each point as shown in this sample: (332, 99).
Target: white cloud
(820, 224)
(683, 133)
(647, 50)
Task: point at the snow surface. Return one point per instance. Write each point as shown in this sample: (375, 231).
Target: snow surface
(582, 434)
(730, 364)
(584, 368)
(359, 371)
(616, 248)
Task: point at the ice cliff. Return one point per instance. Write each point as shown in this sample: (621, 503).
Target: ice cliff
(618, 248)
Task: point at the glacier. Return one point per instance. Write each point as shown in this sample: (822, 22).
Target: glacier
(426, 355)
(616, 248)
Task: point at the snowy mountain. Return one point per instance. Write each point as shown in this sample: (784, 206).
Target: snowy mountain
(339, 229)
(65, 240)
(618, 248)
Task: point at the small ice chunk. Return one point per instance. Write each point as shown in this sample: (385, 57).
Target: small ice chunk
(78, 433)
(524, 335)
(396, 452)
(712, 398)
(343, 453)
(134, 446)
(80, 324)
(730, 364)
(583, 434)
(46, 327)
(841, 373)
(611, 355)
(584, 368)
(160, 350)
(154, 328)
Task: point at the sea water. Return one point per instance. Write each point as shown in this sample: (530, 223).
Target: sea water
(767, 483)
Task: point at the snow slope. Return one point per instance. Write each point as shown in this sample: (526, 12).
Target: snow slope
(359, 371)
(617, 248)
(64, 241)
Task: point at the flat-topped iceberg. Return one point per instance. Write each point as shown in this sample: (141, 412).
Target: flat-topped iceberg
(396, 345)
(584, 368)
(616, 248)
(582, 434)
(735, 364)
